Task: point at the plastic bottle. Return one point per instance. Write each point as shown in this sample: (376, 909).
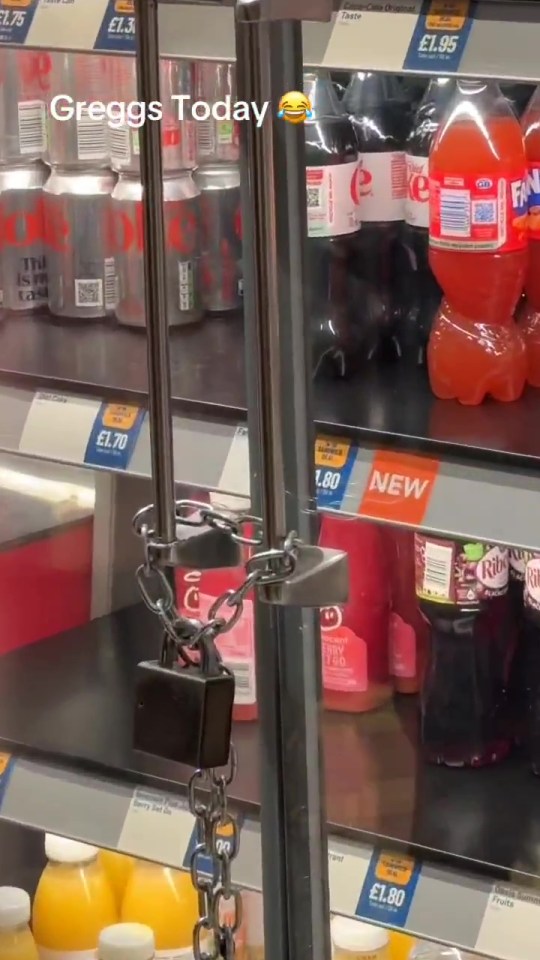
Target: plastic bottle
(530, 658)
(401, 945)
(16, 940)
(408, 631)
(73, 901)
(356, 940)
(421, 293)
(164, 900)
(478, 247)
(381, 124)
(339, 340)
(126, 941)
(435, 951)
(355, 638)
(463, 592)
(254, 919)
(118, 867)
(518, 96)
(529, 314)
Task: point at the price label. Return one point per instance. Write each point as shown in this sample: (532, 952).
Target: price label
(440, 35)
(388, 889)
(6, 769)
(334, 460)
(225, 843)
(57, 427)
(157, 827)
(511, 923)
(15, 19)
(114, 436)
(117, 31)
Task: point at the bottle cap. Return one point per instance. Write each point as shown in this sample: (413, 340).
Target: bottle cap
(62, 850)
(14, 907)
(357, 936)
(126, 941)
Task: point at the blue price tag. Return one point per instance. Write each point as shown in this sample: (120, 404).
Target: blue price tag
(15, 19)
(7, 763)
(224, 842)
(114, 435)
(117, 32)
(334, 460)
(440, 35)
(388, 889)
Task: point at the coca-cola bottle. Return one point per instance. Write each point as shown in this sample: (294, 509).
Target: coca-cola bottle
(380, 121)
(338, 338)
(420, 292)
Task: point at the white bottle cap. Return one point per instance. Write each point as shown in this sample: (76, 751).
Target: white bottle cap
(126, 941)
(14, 907)
(355, 936)
(62, 850)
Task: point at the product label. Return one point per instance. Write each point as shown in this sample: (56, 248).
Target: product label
(383, 186)
(402, 647)
(91, 137)
(533, 200)
(478, 213)
(45, 954)
(462, 574)
(237, 648)
(332, 199)
(32, 123)
(417, 199)
(531, 596)
(344, 655)
(517, 563)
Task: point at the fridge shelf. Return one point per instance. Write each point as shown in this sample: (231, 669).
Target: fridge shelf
(404, 837)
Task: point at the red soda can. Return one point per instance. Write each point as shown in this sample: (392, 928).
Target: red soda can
(23, 265)
(217, 136)
(25, 77)
(78, 139)
(221, 225)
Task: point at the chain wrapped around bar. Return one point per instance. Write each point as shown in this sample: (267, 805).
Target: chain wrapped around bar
(217, 831)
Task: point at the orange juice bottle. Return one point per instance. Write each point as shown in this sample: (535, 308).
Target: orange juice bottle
(16, 941)
(118, 867)
(165, 900)
(73, 901)
(126, 941)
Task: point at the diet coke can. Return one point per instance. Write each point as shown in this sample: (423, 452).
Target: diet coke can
(78, 139)
(221, 226)
(82, 279)
(217, 136)
(182, 249)
(178, 136)
(25, 77)
(23, 266)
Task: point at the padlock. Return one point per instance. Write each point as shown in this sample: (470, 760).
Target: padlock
(184, 714)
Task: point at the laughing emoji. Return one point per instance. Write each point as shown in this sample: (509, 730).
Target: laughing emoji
(295, 107)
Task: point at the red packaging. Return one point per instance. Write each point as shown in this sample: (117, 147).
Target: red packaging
(408, 633)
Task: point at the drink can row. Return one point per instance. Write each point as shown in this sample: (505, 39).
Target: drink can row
(25, 78)
(221, 231)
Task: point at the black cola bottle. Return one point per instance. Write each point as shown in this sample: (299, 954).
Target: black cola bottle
(462, 589)
(338, 341)
(420, 293)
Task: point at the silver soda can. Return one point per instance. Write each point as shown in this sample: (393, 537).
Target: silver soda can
(82, 278)
(23, 266)
(217, 137)
(25, 77)
(182, 249)
(77, 135)
(221, 237)
(178, 135)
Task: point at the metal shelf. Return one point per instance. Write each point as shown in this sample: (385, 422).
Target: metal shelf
(490, 38)
(404, 838)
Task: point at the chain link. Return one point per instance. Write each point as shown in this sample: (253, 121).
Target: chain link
(217, 833)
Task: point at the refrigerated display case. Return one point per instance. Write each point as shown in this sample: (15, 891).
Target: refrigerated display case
(447, 855)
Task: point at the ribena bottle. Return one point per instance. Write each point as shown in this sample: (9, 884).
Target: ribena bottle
(529, 315)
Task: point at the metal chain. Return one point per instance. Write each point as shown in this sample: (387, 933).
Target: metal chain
(217, 831)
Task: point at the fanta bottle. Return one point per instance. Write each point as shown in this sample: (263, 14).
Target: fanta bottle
(478, 246)
(529, 315)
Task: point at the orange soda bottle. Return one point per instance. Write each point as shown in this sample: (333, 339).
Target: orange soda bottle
(478, 246)
(529, 315)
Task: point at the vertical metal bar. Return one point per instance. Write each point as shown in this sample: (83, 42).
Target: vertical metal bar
(159, 368)
(281, 437)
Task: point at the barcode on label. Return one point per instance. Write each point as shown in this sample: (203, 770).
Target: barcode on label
(244, 678)
(205, 138)
(32, 117)
(111, 283)
(455, 213)
(438, 565)
(484, 212)
(186, 299)
(91, 137)
(120, 144)
(314, 198)
(398, 176)
(88, 293)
